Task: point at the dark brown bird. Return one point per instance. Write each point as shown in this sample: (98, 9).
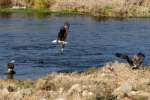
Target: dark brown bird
(62, 35)
(63, 32)
(10, 67)
(134, 61)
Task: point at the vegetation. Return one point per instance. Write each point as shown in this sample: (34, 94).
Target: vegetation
(114, 81)
(107, 8)
(41, 4)
(5, 3)
(27, 10)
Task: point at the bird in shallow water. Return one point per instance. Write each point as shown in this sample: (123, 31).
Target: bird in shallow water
(10, 67)
(62, 35)
(134, 61)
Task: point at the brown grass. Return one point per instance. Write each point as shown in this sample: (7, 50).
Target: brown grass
(108, 8)
(4, 3)
(114, 81)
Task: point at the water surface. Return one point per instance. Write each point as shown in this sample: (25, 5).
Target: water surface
(26, 38)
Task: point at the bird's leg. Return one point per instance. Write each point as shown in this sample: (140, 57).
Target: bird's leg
(10, 76)
(135, 66)
(57, 41)
(62, 45)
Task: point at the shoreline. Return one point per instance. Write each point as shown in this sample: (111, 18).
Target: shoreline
(31, 10)
(67, 12)
(98, 8)
(114, 81)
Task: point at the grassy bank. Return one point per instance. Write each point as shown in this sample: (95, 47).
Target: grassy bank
(114, 81)
(32, 10)
(27, 10)
(100, 8)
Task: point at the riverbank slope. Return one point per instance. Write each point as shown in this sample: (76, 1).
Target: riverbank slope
(114, 81)
(100, 8)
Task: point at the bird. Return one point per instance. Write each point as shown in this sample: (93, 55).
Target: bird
(10, 67)
(62, 35)
(134, 61)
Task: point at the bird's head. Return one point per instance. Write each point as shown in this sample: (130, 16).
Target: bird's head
(67, 25)
(141, 55)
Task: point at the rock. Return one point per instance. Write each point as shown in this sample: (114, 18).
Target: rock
(124, 89)
(85, 93)
(107, 75)
(61, 90)
(74, 88)
(5, 91)
(23, 92)
(42, 94)
(40, 98)
(26, 91)
(139, 94)
(61, 98)
(147, 81)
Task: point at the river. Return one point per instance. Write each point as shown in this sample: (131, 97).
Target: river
(92, 42)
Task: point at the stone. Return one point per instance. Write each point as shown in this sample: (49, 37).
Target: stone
(23, 92)
(75, 88)
(124, 89)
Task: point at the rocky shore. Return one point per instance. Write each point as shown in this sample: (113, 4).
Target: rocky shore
(114, 81)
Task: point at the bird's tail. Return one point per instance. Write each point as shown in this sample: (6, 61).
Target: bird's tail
(124, 56)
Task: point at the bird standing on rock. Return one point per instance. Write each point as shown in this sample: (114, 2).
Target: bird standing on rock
(134, 61)
(10, 67)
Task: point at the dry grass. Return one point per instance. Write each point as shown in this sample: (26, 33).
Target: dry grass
(4, 3)
(112, 8)
(112, 82)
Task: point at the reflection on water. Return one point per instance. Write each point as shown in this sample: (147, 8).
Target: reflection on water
(103, 19)
(10, 76)
(5, 15)
(26, 38)
(32, 15)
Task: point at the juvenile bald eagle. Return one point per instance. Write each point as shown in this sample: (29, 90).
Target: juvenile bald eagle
(134, 61)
